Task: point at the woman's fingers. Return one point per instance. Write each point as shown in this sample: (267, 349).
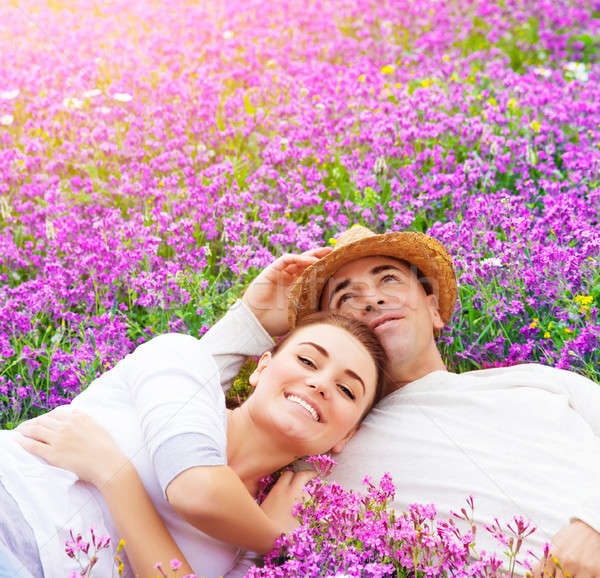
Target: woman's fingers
(40, 430)
(35, 447)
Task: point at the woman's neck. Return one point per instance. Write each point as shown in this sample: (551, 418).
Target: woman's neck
(253, 453)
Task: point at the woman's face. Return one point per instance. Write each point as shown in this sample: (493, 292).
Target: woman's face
(313, 391)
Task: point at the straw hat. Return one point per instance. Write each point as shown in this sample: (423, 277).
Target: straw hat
(418, 249)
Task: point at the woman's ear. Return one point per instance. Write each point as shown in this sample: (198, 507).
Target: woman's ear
(262, 363)
(337, 448)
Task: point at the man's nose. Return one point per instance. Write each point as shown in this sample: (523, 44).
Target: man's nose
(375, 303)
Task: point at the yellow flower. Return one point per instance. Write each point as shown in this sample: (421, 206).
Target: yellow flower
(534, 323)
(567, 330)
(426, 82)
(512, 104)
(536, 125)
(333, 242)
(546, 335)
(361, 78)
(387, 69)
(584, 302)
(446, 57)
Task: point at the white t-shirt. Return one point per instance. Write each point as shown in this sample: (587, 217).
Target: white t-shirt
(164, 407)
(522, 440)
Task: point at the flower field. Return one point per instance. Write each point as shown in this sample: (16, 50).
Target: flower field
(155, 155)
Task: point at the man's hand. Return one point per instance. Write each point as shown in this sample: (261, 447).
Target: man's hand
(284, 495)
(576, 548)
(267, 295)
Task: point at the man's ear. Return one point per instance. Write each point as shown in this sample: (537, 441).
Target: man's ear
(264, 360)
(434, 308)
(337, 448)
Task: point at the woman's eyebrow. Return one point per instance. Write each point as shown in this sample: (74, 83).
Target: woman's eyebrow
(320, 349)
(323, 352)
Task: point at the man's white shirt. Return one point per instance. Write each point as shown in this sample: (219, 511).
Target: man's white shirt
(522, 440)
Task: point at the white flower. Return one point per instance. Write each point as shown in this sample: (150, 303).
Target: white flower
(492, 262)
(50, 231)
(228, 34)
(92, 93)
(543, 72)
(531, 155)
(104, 110)
(380, 168)
(122, 96)
(6, 119)
(9, 94)
(578, 70)
(72, 102)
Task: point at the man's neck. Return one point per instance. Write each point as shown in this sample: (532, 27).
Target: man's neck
(401, 374)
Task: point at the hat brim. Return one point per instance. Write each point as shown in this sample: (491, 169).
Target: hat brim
(417, 249)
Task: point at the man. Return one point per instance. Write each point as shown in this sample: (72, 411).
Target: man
(523, 440)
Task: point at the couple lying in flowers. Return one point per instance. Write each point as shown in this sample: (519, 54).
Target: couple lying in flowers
(178, 474)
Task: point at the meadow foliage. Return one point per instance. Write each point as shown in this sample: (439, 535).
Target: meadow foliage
(154, 156)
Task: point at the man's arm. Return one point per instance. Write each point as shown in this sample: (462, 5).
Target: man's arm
(246, 328)
(576, 547)
(575, 552)
(584, 397)
(236, 336)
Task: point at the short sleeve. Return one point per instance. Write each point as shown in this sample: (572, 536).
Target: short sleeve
(175, 387)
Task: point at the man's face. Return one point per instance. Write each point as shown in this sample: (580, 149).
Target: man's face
(386, 295)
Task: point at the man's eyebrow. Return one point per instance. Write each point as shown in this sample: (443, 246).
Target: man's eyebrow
(381, 268)
(323, 352)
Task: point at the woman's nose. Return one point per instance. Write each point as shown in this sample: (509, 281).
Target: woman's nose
(319, 387)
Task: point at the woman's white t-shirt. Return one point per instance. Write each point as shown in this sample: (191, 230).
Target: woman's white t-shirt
(165, 408)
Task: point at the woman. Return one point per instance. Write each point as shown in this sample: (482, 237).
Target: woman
(310, 393)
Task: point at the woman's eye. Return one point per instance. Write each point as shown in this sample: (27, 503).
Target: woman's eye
(307, 361)
(346, 391)
(388, 278)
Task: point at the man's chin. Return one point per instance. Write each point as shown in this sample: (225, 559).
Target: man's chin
(397, 344)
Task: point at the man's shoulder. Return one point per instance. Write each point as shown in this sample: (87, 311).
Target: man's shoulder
(529, 374)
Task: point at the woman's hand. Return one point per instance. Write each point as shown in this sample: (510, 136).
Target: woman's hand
(267, 295)
(284, 495)
(69, 439)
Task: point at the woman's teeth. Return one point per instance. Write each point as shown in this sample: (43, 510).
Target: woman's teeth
(305, 405)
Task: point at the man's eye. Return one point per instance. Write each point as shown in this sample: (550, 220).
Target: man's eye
(306, 361)
(345, 297)
(388, 278)
(346, 391)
